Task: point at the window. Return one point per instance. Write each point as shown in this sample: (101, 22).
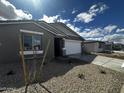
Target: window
(32, 42)
(27, 42)
(36, 42)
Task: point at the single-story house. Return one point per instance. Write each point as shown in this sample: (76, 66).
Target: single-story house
(35, 36)
(118, 47)
(93, 46)
(108, 47)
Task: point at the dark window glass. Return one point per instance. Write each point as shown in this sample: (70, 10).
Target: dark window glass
(32, 42)
(27, 42)
(36, 42)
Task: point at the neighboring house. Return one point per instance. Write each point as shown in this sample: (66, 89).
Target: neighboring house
(122, 47)
(93, 46)
(118, 46)
(35, 36)
(108, 47)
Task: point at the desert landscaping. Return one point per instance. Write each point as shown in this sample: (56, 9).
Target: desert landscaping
(67, 77)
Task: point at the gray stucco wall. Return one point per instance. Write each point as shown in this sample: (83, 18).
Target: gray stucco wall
(92, 47)
(9, 41)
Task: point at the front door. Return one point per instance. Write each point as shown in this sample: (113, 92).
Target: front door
(58, 45)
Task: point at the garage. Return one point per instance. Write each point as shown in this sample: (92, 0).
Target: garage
(72, 46)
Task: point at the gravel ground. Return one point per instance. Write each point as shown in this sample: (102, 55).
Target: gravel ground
(61, 77)
(11, 76)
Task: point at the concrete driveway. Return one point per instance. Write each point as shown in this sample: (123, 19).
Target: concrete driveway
(111, 63)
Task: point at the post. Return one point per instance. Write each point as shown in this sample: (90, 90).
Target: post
(44, 57)
(23, 60)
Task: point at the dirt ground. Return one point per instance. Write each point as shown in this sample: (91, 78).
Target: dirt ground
(73, 77)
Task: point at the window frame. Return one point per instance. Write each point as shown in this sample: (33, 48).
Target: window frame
(28, 32)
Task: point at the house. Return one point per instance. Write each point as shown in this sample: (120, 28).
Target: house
(118, 47)
(108, 47)
(93, 46)
(35, 36)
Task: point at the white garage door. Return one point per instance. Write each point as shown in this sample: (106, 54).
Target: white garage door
(72, 46)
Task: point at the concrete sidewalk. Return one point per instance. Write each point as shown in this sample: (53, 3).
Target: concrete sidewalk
(122, 52)
(111, 63)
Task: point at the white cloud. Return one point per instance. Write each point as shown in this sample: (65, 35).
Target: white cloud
(84, 17)
(104, 7)
(57, 18)
(103, 34)
(74, 28)
(63, 20)
(92, 33)
(97, 32)
(120, 30)
(50, 19)
(96, 35)
(110, 28)
(9, 12)
(88, 16)
(53, 19)
(118, 38)
(74, 11)
(87, 29)
(97, 39)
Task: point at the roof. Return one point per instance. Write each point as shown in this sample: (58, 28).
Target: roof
(57, 29)
(51, 28)
(61, 27)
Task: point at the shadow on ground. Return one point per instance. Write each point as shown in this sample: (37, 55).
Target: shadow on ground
(55, 68)
(60, 67)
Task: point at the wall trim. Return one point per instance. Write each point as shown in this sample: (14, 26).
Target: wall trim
(72, 40)
(32, 52)
(31, 32)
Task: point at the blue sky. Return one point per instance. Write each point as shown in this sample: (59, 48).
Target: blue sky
(92, 19)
